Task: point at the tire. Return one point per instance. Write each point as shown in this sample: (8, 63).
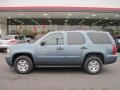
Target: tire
(23, 64)
(93, 65)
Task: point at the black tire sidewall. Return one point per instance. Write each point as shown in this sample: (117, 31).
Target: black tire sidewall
(30, 64)
(89, 59)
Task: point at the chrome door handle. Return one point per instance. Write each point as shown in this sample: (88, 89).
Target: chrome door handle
(60, 48)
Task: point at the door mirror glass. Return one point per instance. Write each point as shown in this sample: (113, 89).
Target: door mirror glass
(43, 43)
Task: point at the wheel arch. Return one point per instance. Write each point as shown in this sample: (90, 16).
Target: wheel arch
(21, 54)
(99, 54)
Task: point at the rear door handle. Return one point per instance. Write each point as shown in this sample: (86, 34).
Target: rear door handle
(60, 48)
(84, 48)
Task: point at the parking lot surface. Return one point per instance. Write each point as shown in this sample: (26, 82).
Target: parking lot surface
(59, 78)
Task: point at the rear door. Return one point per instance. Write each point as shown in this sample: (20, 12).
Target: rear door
(74, 48)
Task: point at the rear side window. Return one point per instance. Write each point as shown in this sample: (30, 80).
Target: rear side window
(99, 38)
(75, 38)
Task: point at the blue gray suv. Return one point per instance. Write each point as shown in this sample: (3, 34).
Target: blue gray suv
(88, 49)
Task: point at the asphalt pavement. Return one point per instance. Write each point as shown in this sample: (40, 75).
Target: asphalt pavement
(59, 78)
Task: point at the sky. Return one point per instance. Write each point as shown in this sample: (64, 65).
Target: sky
(74, 3)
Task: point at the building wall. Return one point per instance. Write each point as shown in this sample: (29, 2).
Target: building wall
(39, 28)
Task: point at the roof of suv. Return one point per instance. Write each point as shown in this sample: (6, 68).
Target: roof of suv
(82, 31)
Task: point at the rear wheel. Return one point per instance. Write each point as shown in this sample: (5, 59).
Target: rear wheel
(93, 65)
(23, 64)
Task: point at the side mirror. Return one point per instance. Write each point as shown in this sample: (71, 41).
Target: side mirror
(28, 40)
(42, 43)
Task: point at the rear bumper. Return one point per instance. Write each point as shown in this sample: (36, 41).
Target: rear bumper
(110, 59)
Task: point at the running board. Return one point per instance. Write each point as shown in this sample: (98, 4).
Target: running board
(59, 66)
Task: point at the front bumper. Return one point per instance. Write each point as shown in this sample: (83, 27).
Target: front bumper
(9, 60)
(110, 59)
(4, 47)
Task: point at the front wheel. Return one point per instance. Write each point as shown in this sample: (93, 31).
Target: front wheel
(93, 65)
(23, 64)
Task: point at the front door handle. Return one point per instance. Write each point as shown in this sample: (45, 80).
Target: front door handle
(60, 48)
(84, 48)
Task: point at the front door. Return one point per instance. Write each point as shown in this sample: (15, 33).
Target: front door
(53, 50)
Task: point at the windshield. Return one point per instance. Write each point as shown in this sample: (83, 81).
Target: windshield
(36, 38)
(6, 37)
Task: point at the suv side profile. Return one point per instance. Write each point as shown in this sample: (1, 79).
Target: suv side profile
(88, 49)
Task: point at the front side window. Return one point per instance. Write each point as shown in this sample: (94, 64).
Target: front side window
(75, 38)
(54, 39)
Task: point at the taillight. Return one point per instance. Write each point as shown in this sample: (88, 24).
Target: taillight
(12, 41)
(114, 49)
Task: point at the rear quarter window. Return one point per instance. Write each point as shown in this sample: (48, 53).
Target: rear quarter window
(99, 38)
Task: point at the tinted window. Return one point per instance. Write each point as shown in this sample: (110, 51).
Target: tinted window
(99, 38)
(54, 39)
(21, 37)
(75, 38)
(28, 36)
(16, 37)
(117, 39)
